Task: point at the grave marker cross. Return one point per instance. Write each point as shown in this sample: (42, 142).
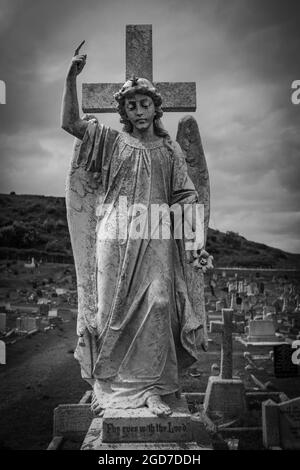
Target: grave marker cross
(176, 96)
(225, 328)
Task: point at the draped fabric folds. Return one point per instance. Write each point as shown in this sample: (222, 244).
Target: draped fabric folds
(144, 325)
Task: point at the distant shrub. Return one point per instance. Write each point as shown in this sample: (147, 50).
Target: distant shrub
(56, 245)
(233, 240)
(48, 224)
(18, 235)
(59, 224)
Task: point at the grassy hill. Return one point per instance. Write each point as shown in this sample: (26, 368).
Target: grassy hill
(37, 226)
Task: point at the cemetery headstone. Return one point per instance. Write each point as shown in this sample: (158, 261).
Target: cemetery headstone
(223, 393)
(44, 309)
(65, 314)
(2, 353)
(262, 330)
(2, 322)
(281, 424)
(52, 312)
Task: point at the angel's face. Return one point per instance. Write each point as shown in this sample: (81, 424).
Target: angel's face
(140, 111)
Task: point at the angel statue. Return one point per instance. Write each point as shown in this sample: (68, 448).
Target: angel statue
(140, 297)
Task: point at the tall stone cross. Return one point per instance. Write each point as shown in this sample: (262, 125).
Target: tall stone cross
(225, 328)
(176, 96)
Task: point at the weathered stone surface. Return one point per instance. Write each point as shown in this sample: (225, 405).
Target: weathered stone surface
(177, 97)
(99, 97)
(270, 424)
(2, 352)
(281, 424)
(289, 413)
(225, 396)
(262, 330)
(2, 321)
(226, 352)
(215, 326)
(93, 441)
(28, 323)
(260, 343)
(189, 139)
(139, 51)
(72, 420)
(83, 198)
(140, 425)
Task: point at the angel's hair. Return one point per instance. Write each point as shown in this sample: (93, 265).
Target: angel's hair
(158, 127)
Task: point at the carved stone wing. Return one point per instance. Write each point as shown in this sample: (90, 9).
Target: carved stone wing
(82, 194)
(188, 137)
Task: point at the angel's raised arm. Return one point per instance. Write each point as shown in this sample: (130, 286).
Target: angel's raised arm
(70, 119)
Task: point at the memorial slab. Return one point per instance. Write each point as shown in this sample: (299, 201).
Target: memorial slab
(140, 425)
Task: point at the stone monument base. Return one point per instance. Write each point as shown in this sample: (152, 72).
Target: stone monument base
(263, 339)
(93, 441)
(140, 429)
(226, 396)
(140, 425)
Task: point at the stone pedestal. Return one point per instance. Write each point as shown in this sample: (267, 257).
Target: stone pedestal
(226, 396)
(140, 425)
(140, 429)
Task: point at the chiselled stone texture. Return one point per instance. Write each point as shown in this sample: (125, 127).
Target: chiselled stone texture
(226, 353)
(93, 441)
(188, 137)
(140, 425)
(177, 97)
(139, 51)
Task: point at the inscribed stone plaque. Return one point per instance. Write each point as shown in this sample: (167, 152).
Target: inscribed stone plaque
(140, 425)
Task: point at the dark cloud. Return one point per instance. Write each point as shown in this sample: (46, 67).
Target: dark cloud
(243, 54)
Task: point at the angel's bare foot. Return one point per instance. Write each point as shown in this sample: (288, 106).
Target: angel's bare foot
(95, 407)
(157, 406)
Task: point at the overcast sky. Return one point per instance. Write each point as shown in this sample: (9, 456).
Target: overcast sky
(243, 56)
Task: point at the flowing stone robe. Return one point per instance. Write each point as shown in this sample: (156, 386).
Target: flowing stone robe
(135, 319)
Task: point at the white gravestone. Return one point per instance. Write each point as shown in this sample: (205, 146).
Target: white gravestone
(261, 330)
(52, 313)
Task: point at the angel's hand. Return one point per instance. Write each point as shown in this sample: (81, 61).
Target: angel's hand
(78, 62)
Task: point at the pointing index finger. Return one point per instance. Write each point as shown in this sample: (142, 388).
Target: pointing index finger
(78, 48)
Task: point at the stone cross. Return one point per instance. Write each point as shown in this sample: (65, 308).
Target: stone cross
(226, 351)
(2, 321)
(2, 352)
(225, 328)
(176, 96)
